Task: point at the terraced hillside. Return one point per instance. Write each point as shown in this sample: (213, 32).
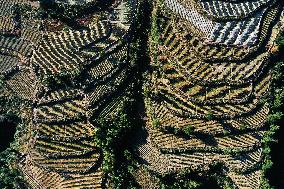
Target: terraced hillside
(205, 96)
(72, 70)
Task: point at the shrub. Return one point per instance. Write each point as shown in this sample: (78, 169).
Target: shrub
(156, 123)
(243, 127)
(107, 137)
(209, 116)
(63, 79)
(188, 130)
(274, 118)
(10, 177)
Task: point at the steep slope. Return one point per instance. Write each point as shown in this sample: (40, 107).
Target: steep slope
(71, 77)
(205, 96)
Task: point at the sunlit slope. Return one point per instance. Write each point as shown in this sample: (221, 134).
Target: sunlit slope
(205, 98)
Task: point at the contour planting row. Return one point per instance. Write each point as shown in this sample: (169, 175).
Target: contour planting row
(66, 131)
(233, 10)
(83, 181)
(104, 47)
(218, 51)
(51, 147)
(249, 180)
(190, 103)
(185, 59)
(74, 2)
(101, 92)
(7, 63)
(112, 107)
(212, 95)
(6, 24)
(245, 38)
(173, 123)
(238, 163)
(181, 106)
(237, 32)
(32, 35)
(67, 164)
(7, 7)
(38, 177)
(53, 96)
(242, 33)
(68, 110)
(173, 82)
(106, 68)
(165, 162)
(62, 50)
(234, 142)
(16, 45)
(156, 161)
(201, 72)
(23, 84)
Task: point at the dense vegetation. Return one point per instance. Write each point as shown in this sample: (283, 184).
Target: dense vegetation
(9, 132)
(274, 173)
